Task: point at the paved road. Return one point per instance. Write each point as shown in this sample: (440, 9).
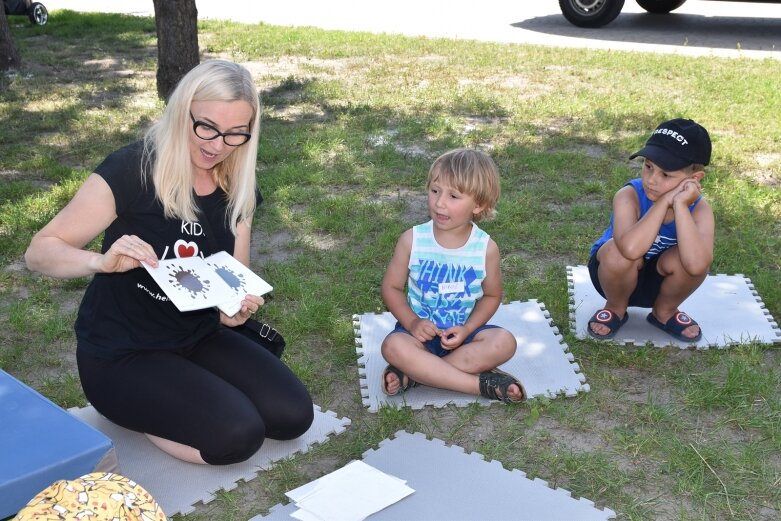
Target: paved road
(732, 29)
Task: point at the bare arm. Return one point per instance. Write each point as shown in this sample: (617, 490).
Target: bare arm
(242, 241)
(695, 231)
(58, 250)
(633, 236)
(492, 290)
(394, 281)
(395, 298)
(251, 303)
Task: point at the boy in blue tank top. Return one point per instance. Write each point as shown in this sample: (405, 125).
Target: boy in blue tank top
(453, 281)
(658, 247)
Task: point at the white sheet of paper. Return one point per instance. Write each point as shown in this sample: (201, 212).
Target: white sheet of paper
(218, 280)
(189, 285)
(303, 515)
(240, 279)
(351, 493)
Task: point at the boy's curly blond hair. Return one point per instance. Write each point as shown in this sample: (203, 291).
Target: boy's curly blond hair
(471, 172)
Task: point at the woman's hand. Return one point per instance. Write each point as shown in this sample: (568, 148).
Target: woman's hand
(127, 253)
(249, 306)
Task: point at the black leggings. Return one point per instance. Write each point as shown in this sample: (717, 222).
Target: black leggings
(223, 396)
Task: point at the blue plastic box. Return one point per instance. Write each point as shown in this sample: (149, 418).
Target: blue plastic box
(41, 443)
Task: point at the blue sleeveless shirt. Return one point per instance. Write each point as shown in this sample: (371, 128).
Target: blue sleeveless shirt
(445, 284)
(667, 236)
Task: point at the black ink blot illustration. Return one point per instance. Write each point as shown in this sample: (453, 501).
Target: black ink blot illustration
(236, 282)
(188, 280)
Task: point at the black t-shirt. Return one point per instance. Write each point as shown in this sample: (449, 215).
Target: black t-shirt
(125, 312)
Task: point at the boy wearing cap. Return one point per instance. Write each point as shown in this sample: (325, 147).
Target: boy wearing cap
(658, 246)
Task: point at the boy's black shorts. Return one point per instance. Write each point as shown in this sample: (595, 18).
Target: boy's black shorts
(648, 282)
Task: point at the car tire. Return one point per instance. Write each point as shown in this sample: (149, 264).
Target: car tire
(38, 14)
(590, 13)
(660, 6)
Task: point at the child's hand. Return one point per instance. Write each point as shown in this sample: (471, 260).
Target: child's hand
(424, 330)
(687, 192)
(453, 337)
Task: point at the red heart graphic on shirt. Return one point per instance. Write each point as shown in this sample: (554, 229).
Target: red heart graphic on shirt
(185, 249)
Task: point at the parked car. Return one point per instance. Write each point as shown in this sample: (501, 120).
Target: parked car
(596, 13)
(35, 11)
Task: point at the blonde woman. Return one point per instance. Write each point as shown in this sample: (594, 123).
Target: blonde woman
(197, 389)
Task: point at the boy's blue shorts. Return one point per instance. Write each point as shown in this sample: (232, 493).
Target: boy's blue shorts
(435, 345)
(649, 281)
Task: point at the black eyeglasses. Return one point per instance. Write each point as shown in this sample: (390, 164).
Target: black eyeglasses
(205, 131)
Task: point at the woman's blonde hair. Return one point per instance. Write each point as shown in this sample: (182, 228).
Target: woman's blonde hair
(471, 172)
(166, 157)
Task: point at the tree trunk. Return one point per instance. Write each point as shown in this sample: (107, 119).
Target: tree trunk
(177, 42)
(9, 56)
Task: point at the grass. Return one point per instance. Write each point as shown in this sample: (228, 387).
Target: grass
(351, 123)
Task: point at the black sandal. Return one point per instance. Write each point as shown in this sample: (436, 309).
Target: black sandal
(494, 385)
(675, 326)
(608, 319)
(400, 374)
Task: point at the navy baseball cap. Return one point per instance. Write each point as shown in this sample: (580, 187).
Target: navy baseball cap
(676, 144)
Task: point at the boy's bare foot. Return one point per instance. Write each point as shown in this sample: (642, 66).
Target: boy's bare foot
(679, 325)
(600, 330)
(395, 381)
(392, 383)
(691, 331)
(515, 393)
(498, 385)
(604, 324)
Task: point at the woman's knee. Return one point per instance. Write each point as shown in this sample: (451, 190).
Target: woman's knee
(234, 442)
(293, 421)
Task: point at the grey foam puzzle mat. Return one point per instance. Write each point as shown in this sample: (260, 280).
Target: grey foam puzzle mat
(452, 484)
(176, 485)
(542, 361)
(727, 307)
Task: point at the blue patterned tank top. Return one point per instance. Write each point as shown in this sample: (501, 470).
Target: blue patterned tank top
(444, 284)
